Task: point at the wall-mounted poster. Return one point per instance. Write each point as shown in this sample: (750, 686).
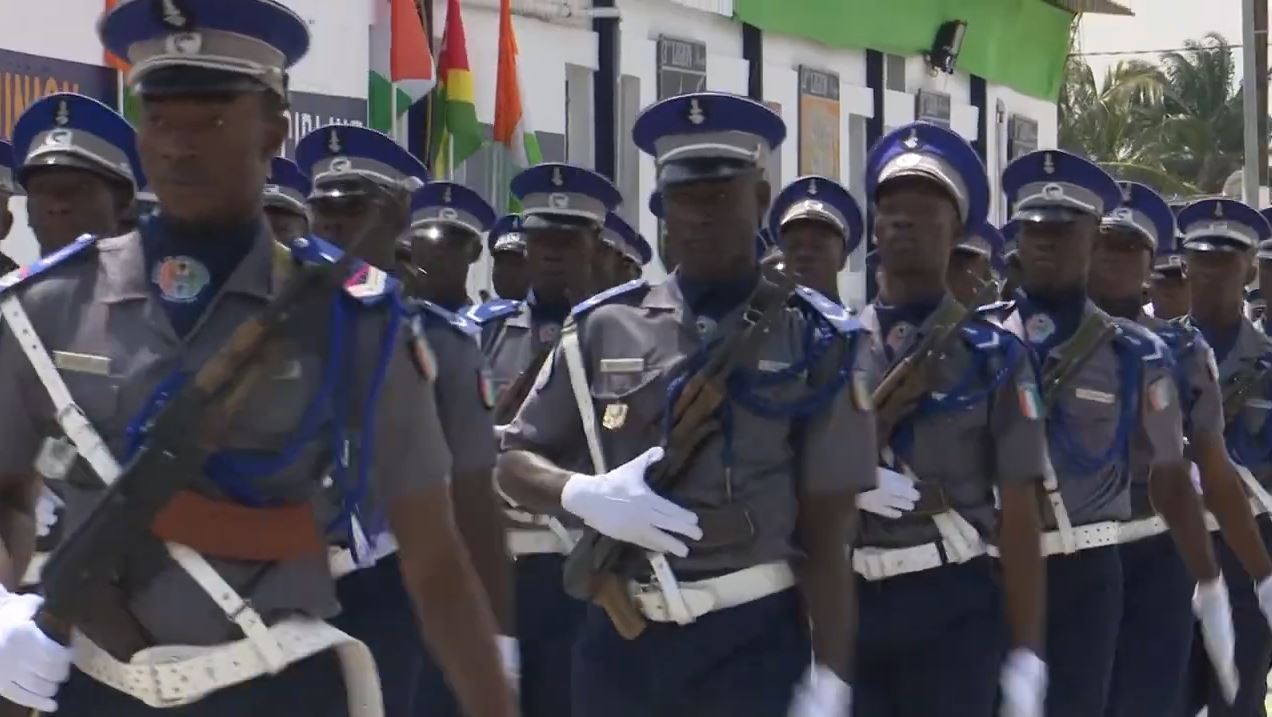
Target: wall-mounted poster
(819, 127)
(24, 79)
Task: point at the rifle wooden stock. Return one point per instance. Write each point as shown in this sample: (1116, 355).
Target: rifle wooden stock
(516, 393)
(592, 569)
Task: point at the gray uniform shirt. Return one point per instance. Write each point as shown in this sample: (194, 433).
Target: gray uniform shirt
(633, 345)
(967, 451)
(1200, 399)
(465, 392)
(1091, 405)
(1251, 346)
(99, 303)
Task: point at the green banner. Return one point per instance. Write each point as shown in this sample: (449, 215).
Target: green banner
(1018, 43)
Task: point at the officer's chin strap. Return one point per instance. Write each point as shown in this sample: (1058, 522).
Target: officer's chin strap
(165, 683)
(962, 541)
(677, 605)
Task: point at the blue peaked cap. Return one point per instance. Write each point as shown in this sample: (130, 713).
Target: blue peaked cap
(7, 185)
(706, 136)
(626, 239)
(287, 187)
(1265, 246)
(1222, 225)
(655, 204)
(820, 199)
(1010, 232)
(1143, 211)
(1169, 256)
(202, 46)
(336, 156)
(563, 196)
(988, 242)
(922, 149)
(70, 130)
(506, 235)
(453, 204)
(1051, 185)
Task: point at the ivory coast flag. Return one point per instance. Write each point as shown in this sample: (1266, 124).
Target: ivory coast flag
(455, 132)
(401, 66)
(127, 102)
(512, 127)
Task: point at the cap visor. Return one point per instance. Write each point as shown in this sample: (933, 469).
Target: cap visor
(568, 222)
(68, 161)
(1044, 215)
(1209, 244)
(701, 170)
(184, 80)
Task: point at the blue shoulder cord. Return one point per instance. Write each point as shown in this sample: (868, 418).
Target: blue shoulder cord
(1070, 453)
(234, 471)
(366, 447)
(959, 398)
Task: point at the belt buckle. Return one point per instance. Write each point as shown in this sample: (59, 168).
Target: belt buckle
(161, 691)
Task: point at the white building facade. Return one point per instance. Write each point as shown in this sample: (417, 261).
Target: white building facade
(836, 98)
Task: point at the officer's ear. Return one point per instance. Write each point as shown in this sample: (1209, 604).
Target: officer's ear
(474, 249)
(6, 219)
(763, 197)
(274, 109)
(1251, 269)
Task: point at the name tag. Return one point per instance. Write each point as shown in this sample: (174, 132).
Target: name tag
(622, 365)
(1090, 394)
(82, 363)
(1260, 403)
(773, 366)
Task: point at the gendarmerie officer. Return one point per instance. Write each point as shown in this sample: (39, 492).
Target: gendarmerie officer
(7, 189)
(564, 208)
(77, 161)
(634, 251)
(1168, 291)
(1220, 236)
(1256, 306)
(607, 261)
(764, 508)
(1108, 388)
(817, 225)
(127, 319)
(286, 191)
(349, 165)
(975, 263)
(1157, 584)
(933, 601)
(447, 222)
(510, 270)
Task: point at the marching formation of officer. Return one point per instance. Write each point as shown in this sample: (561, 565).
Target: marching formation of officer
(266, 455)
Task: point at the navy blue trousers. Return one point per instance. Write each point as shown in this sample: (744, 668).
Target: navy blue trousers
(931, 644)
(1154, 641)
(1254, 641)
(740, 662)
(376, 610)
(312, 687)
(1084, 610)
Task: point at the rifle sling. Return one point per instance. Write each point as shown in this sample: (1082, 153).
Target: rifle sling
(912, 369)
(1091, 334)
(1235, 390)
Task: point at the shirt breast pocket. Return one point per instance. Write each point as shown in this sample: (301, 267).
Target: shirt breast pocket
(630, 407)
(96, 395)
(276, 405)
(1091, 415)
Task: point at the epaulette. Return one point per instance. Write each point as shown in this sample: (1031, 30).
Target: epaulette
(983, 334)
(21, 275)
(367, 284)
(432, 313)
(837, 316)
(493, 309)
(998, 308)
(611, 293)
(1145, 344)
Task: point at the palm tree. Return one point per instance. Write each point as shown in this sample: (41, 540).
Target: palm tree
(1201, 132)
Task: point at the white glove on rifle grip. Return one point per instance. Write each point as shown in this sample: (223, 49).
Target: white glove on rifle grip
(1024, 684)
(46, 512)
(621, 505)
(821, 694)
(895, 494)
(510, 659)
(32, 667)
(1214, 612)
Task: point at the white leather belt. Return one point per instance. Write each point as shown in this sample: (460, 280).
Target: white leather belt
(1139, 529)
(706, 596)
(32, 576)
(1083, 537)
(527, 541)
(171, 676)
(882, 563)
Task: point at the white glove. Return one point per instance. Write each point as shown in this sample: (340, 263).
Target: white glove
(510, 658)
(1024, 684)
(621, 505)
(1214, 612)
(32, 667)
(821, 694)
(46, 512)
(895, 495)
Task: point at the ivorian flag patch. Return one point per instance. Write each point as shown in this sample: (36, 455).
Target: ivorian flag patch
(1161, 393)
(1029, 399)
(485, 389)
(423, 357)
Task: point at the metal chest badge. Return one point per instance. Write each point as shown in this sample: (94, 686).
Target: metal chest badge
(1039, 328)
(549, 333)
(485, 389)
(615, 416)
(181, 279)
(424, 358)
(1161, 393)
(862, 396)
